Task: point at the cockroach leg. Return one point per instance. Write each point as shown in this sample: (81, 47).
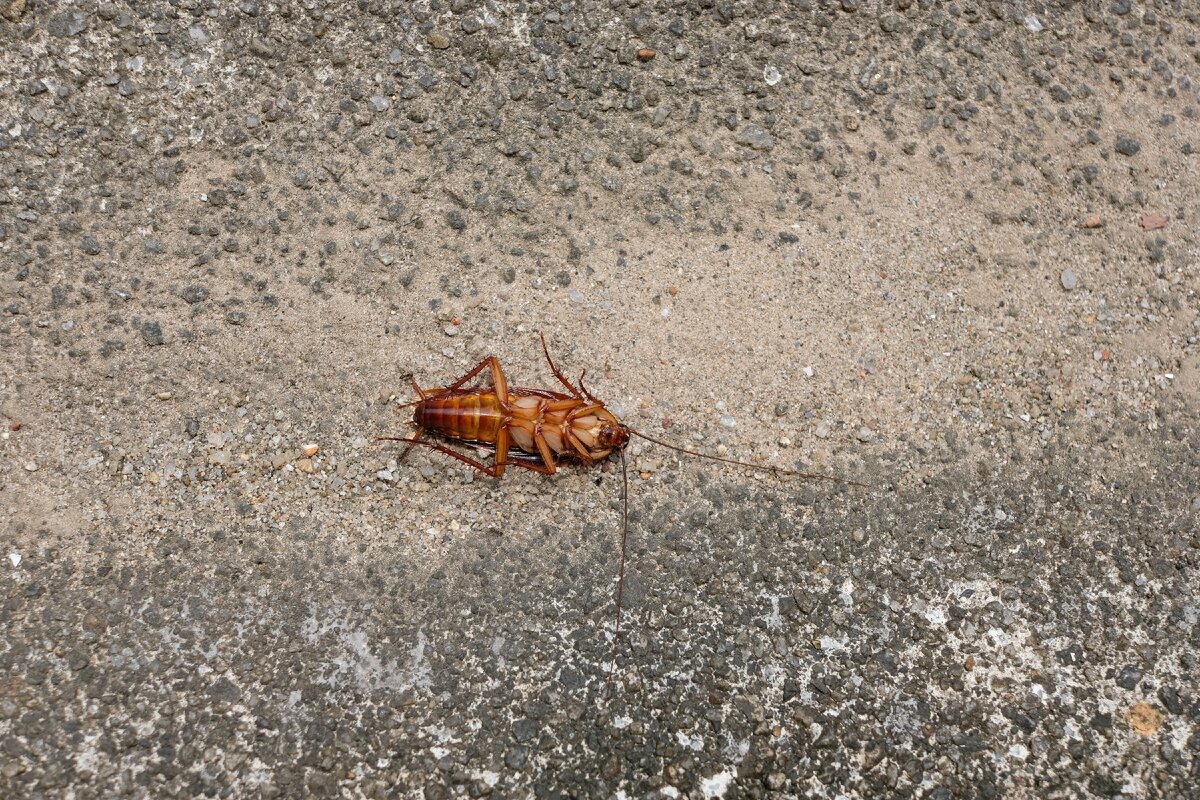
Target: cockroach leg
(417, 436)
(583, 388)
(441, 448)
(561, 378)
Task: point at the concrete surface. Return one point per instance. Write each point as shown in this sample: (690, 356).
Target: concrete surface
(948, 250)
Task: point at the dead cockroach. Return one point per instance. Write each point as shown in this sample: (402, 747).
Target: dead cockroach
(536, 429)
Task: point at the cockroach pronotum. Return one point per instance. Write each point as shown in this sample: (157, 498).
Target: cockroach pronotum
(536, 429)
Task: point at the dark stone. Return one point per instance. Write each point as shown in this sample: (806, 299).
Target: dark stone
(1127, 146)
(194, 294)
(152, 333)
(1130, 677)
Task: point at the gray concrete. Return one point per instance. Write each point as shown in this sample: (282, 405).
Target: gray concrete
(949, 252)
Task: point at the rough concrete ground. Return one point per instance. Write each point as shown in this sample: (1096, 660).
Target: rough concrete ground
(945, 249)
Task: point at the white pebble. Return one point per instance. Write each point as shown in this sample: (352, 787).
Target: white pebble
(771, 75)
(15, 558)
(728, 421)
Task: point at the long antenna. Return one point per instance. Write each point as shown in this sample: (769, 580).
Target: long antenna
(760, 467)
(621, 571)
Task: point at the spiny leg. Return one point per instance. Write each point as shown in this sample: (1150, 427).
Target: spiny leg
(489, 362)
(533, 466)
(421, 395)
(561, 378)
(545, 452)
(583, 388)
(416, 436)
(441, 448)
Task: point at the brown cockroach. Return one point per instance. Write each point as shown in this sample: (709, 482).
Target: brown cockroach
(536, 429)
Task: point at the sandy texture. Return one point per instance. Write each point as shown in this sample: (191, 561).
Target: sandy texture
(949, 251)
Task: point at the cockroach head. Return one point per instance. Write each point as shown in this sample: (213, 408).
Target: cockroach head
(613, 436)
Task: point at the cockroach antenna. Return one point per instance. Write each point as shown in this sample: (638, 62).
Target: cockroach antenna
(760, 467)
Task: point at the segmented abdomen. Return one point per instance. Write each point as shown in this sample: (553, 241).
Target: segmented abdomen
(471, 415)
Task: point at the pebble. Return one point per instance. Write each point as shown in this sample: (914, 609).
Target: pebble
(756, 138)
(823, 430)
(1068, 280)
(31, 466)
(1127, 146)
(152, 333)
(865, 434)
(309, 450)
(194, 294)
(728, 421)
(164, 395)
(305, 465)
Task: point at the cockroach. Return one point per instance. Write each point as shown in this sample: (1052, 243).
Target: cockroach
(537, 429)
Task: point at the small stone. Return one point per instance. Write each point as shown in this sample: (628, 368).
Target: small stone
(164, 395)
(1068, 280)
(728, 421)
(309, 450)
(152, 333)
(236, 317)
(31, 466)
(823, 430)
(438, 40)
(771, 75)
(281, 461)
(380, 103)
(194, 294)
(865, 434)
(1145, 719)
(1127, 146)
(305, 465)
(1130, 677)
(755, 137)
(68, 23)
(1153, 221)
(646, 54)
(1092, 221)
(261, 48)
